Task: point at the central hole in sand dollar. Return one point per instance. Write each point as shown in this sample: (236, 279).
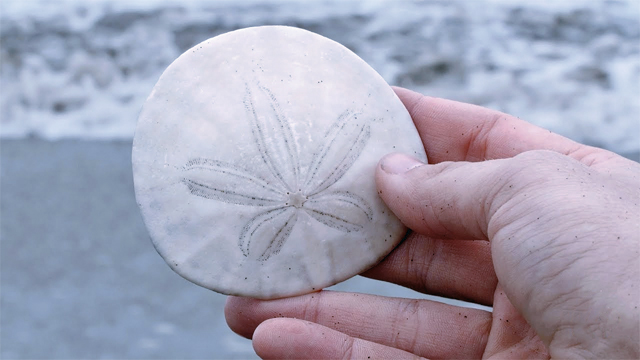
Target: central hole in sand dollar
(296, 199)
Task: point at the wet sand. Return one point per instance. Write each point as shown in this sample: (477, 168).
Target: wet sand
(79, 276)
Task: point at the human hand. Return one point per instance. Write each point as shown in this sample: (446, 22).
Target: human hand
(545, 230)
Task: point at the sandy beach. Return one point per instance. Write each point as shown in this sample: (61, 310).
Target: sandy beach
(80, 278)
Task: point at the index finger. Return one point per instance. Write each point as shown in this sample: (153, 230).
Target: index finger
(455, 131)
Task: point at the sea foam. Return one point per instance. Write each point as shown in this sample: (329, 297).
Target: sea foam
(78, 69)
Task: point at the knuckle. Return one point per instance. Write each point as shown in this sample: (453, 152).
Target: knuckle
(409, 310)
(311, 310)
(484, 133)
(537, 169)
(348, 348)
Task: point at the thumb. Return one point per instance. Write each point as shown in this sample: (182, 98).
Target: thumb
(446, 200)
(563, 244)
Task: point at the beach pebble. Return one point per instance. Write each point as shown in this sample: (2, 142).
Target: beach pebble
(254, 161)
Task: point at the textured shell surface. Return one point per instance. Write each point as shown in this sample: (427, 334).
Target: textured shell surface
(254, 161)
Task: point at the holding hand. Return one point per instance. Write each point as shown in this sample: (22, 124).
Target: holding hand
(509, 215)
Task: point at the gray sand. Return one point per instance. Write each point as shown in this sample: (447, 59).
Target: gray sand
(79, 276)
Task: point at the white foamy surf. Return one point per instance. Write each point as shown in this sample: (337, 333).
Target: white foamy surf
(78, 69)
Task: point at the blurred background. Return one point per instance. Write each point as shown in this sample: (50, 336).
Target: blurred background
(79, 278)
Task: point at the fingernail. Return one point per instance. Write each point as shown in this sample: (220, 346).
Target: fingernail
(398, 163)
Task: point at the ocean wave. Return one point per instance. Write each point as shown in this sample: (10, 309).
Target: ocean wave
(83, 69)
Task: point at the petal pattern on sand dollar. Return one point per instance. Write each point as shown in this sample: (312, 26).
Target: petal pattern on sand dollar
(340, 210)
(273, 135)
(226, 182)
(344, 141)
(264, 235)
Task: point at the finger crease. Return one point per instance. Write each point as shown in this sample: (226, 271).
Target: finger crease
(311, 312)
(347, 351)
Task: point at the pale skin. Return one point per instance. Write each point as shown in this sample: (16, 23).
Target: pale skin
(543, 229)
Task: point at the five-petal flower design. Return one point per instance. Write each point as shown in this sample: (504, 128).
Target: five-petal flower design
(292, 188)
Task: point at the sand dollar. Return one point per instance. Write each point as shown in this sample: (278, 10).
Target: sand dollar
(254, 161)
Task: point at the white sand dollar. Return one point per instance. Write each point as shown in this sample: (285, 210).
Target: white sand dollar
(254, 161)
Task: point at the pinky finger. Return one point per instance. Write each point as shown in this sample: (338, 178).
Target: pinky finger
(284, 338)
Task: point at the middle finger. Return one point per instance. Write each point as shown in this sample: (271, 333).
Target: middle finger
(456, 269)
